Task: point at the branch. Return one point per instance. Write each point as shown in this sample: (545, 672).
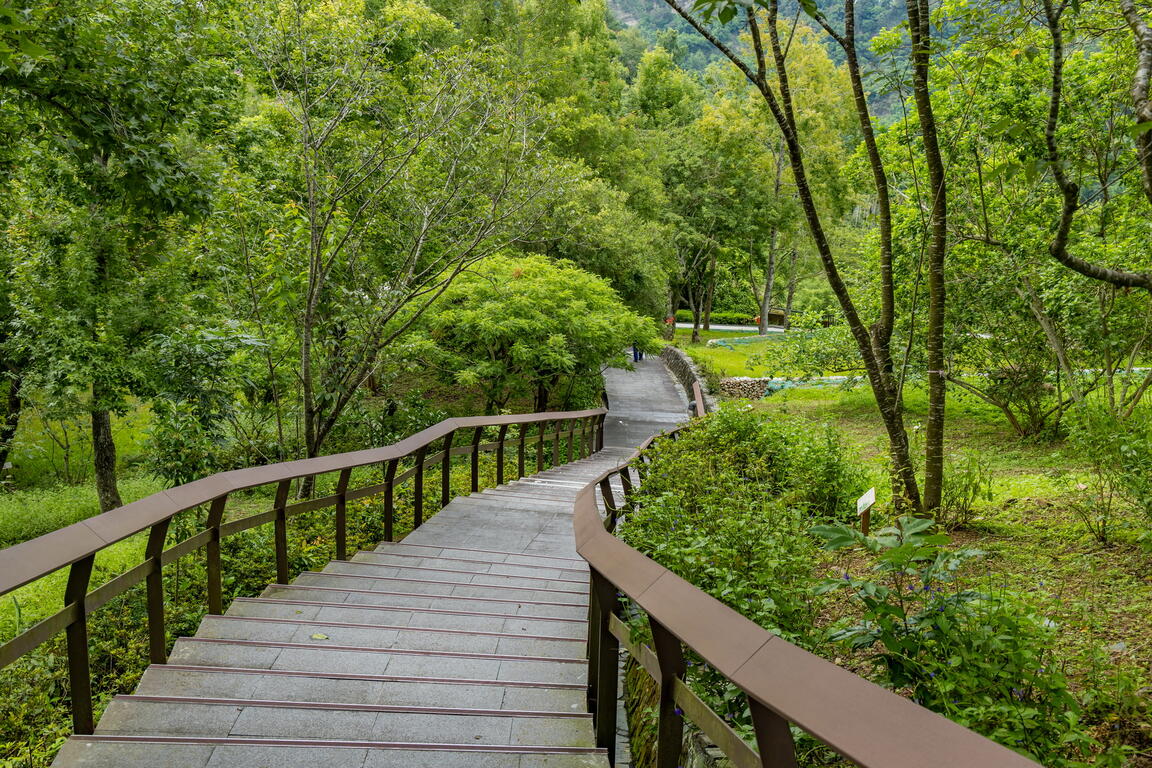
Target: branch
(1140, 99)
(1069, 189)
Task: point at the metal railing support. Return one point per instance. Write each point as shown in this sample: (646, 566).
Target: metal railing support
(670, 725)
(446, 471)
(154, 584)
(500, 437)
(390, 499)
(342, 514)
(521, 448)
(212, 556)
(606, 663)
(280, 532)
(477, 434)
(418, 489)
(773, 737)
(79, 673)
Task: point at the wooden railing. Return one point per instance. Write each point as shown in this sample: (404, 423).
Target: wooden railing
(784, 684)
(568, 435)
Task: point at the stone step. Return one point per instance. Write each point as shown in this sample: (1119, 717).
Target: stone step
(349, 688)
(416, 586)
(94, 752)
(473, 621)
(563, 581)
(458, 565)
(507, 602)
(486, 555)
(399, 662)
(174, 716)
(362, 635)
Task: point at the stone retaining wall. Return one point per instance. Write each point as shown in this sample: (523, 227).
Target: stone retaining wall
(744, 386)
(641, 697)
(686, 373)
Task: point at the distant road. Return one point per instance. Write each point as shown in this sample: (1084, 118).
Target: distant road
(749, 328)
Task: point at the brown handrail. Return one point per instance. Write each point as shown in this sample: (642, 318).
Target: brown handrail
(785, 685)
(75, 547)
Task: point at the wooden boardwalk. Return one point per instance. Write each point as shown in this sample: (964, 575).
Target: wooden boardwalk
(463, 645)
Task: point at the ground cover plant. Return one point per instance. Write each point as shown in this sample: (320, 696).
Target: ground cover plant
(1016, 622)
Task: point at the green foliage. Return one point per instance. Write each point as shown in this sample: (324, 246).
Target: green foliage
(979, 657)
(1119, 454)
(514, 326)
(726, 504)
(967, 482)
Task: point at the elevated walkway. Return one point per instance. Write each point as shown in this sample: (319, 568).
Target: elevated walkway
(462, 645)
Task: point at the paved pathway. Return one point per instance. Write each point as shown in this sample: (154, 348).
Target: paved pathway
(461, 646)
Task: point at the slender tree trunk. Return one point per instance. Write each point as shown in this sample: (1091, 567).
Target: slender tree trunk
(769, 284)
(104, 453)
(669, 330)
(540, 404)
(711, 289)
(791, 289)
(11, 421)
(919, 23)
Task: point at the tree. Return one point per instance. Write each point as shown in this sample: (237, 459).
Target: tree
(400, 167)
(770, 56)
(516, 326)
(118, 95)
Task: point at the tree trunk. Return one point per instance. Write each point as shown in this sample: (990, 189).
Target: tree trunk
(769, 284)
(540, 404)
(791, 290)
(669, 330)
(919, 24)
(104, 453)
(11, 419)
(711, 289)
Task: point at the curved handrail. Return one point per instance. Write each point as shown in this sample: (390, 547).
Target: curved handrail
(31, 560)
(868, 724)
(75, 547)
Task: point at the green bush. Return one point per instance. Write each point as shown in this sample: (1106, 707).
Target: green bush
(726, 507)
(718, 318)
(979, 657)
(1119, 455)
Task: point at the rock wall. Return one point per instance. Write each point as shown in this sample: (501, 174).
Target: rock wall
(744, 386)
(641, 698)
(686, 373)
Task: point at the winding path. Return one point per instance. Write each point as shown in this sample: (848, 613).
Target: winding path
(463, 645)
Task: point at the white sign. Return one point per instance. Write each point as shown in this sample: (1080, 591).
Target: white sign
(865, 502)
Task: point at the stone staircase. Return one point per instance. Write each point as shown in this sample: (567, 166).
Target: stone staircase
(463, 645)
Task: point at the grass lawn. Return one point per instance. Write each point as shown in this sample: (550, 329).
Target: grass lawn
(1100, 595)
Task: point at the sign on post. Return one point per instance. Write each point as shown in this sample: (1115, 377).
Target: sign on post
(864, 509)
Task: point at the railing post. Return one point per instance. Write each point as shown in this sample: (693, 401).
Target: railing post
(556, 443)
(606, 661)
(670, 728)
(500, 454)
(418, 489)
(212, 552)
(476, 435)
(157, 642)
(600, 431)
(446, 471)
(609, 504)
(773, 737)
(281, 531)
(571, 437)
(540, 429)
(342, 514)
(389, 497)
(521, 448)
(79, 673)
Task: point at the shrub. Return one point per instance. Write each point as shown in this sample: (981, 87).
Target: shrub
(1119, 454)
(980, 658)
